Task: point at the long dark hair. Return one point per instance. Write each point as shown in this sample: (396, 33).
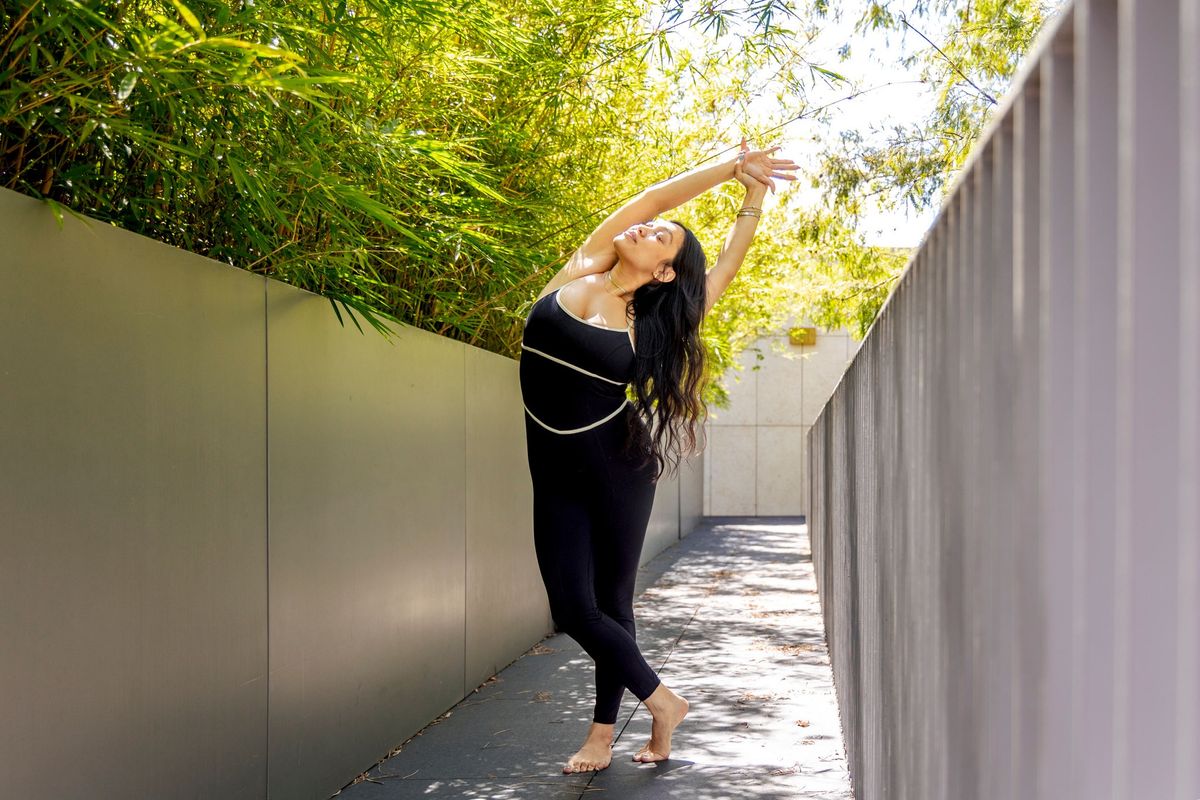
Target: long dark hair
(670, 362)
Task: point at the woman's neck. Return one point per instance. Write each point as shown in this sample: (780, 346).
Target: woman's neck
(618, 284)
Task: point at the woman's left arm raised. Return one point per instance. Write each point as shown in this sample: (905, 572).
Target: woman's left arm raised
(737, 242)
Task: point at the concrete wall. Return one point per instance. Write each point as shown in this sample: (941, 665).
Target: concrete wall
(757, 448)
(246, 550)
(1006, 521)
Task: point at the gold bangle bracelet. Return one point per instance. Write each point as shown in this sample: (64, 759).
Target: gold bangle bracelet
(755, 214)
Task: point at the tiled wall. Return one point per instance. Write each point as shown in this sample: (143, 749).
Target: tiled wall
(756, 448)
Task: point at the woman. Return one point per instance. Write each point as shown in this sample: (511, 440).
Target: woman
(626, 309)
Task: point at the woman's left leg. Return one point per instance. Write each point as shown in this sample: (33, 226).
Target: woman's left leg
(618, 537)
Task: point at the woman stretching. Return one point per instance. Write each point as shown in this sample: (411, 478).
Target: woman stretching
(626, 310)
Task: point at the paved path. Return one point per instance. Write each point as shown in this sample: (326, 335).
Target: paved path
(730, 619)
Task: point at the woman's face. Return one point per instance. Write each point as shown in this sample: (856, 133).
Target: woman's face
(650, 247)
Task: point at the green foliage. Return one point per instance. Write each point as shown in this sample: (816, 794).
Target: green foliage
(402, 159)
(432, 162)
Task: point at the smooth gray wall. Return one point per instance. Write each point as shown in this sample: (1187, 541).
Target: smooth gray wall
(1006, 519)
(243, 546)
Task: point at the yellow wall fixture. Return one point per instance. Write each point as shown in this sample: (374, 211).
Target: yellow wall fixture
(802, 336)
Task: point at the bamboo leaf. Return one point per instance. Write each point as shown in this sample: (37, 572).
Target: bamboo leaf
(123, 91)
(828, 72)
(189, 18)
(264, 50)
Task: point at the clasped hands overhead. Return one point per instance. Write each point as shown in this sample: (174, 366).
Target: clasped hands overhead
(757, 168)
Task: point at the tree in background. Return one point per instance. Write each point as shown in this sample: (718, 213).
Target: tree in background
(969, 50)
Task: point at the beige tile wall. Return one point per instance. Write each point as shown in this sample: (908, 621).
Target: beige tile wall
(757, 459)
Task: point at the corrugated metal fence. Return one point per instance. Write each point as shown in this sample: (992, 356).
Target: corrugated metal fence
(1004, 515)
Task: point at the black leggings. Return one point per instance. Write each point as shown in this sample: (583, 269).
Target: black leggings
(591, 505)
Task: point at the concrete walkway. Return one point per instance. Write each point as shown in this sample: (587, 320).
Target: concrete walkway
(729, 617)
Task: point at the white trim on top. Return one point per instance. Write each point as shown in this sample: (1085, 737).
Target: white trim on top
(624, 403)
(628, 328)
(558, 299)
(569, 364)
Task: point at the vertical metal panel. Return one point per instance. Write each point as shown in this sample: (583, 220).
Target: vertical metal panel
(133, 608)
(1095, 378)
(979, 566)
(974, 661)
(936, 619)
(1148, 412)
(888, 516)
(841, 563)
(996, 447)
(923, 382)
(817, 526)
(958, 734)
(910, 737)
(895, 609)
(1027, 675)
(815, 539)
(867, 533)
(1054, 340)
(1187, 739)
(366, 486)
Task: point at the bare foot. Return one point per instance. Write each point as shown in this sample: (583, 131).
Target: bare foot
(596, 752)
(668, 710)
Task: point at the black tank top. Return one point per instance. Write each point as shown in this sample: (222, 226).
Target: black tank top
(573, 372)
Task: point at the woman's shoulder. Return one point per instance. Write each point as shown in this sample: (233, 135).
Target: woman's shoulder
(581, 264)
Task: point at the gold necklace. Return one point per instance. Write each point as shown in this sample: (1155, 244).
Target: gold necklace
(614, 283)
